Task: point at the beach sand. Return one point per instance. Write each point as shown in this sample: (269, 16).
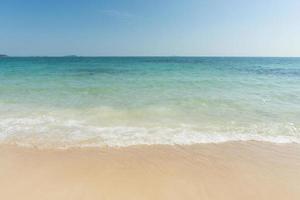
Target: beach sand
(235, 170)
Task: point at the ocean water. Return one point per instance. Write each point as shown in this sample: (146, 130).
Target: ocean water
(121, 101)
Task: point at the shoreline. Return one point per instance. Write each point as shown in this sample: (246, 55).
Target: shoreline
(231, 170)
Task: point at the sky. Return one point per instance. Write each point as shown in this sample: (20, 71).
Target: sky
(150, 27)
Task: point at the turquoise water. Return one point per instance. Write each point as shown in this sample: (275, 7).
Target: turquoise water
(110, 101)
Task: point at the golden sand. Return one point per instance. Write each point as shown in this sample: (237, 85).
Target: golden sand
(244, 170)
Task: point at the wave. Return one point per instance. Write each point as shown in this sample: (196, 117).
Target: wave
(48, 132)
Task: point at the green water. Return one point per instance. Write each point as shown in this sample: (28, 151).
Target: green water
(148, 100)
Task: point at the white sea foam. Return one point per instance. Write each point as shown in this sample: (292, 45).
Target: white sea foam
(47, 132)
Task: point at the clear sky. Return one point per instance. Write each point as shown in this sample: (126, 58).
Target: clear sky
(150, 27)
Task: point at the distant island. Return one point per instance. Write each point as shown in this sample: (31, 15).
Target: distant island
(3, 55)
(70, 56)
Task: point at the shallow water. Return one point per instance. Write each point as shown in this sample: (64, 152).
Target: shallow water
(114, 101)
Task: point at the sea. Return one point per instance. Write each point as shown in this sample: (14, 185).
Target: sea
(62, 102)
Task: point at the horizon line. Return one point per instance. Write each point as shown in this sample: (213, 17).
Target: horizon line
(167, 56)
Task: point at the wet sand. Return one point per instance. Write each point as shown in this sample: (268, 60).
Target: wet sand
(239, 170)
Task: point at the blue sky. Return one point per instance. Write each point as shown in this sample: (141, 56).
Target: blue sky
(153, 28)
